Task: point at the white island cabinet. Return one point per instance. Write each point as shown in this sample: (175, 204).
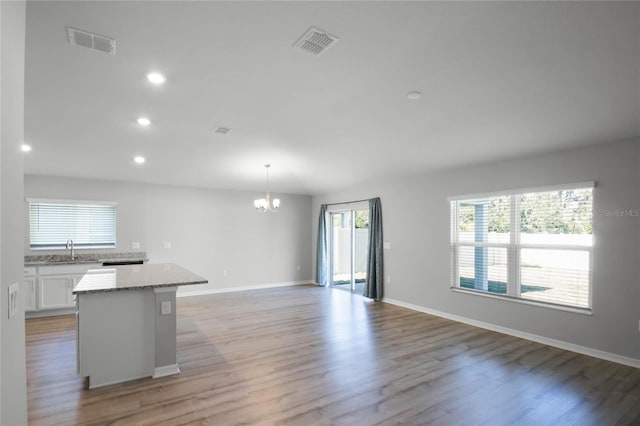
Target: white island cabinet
(126, 321)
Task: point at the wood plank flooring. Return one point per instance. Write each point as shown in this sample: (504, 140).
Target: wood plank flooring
(306, 355)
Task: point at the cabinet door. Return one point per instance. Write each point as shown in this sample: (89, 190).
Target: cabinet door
(29, 293)
(55, 292)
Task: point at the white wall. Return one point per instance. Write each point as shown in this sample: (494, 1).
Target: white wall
(209, 230)
(416, 222)
(13, 392)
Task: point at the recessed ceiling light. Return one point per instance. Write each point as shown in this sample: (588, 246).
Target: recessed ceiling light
(156, 78)
(414, 95)
(25, 147)
(139, 159)
(144, 121)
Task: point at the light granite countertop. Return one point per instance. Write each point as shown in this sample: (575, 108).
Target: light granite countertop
(136, 277)
(80, 258)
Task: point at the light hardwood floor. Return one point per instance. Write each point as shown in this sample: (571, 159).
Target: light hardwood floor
(306, 355)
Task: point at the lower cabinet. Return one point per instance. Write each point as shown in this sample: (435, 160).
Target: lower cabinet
(55, 292)
(28, 290)
(49, 289)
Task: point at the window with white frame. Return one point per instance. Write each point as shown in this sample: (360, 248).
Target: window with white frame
(90, 224)
(535, 245)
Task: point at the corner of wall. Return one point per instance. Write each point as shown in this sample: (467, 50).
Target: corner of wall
(13, 382)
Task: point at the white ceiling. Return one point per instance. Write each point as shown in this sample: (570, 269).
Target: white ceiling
(499, 80)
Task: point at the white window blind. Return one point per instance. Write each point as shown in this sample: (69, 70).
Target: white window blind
(534, 245)
(89, 224)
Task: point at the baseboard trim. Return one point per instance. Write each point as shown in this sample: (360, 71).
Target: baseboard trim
(596, 353)
(49, 313)
(243, 288)
(113, 382)
(166, 370)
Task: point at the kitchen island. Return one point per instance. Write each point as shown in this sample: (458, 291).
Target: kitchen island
(126, 321)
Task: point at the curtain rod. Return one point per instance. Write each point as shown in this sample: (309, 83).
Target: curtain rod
(347, 202)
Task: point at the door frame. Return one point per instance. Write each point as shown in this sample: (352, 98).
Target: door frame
(342, 208)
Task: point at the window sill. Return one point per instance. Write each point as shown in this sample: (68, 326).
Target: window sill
(57, 248)
(557, 307)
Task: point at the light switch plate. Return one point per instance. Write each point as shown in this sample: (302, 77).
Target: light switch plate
(167, 244)
(386, 245)
(13, 299)
(135, 245)
(165, 308)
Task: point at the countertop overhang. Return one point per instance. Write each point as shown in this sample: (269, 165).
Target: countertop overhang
(136, 277)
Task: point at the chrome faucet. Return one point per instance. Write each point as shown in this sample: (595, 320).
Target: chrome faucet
(70, 246)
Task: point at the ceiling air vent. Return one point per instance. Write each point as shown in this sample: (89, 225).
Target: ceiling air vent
(92, 41)
(315, 41)
(222, 130)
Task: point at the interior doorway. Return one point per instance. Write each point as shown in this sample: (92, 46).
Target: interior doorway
(348, 245)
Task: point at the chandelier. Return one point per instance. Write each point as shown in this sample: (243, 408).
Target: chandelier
(266, 204)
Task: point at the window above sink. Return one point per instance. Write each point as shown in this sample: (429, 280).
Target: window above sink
(90, 224)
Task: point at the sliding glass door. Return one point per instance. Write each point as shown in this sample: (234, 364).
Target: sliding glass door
(348, 249)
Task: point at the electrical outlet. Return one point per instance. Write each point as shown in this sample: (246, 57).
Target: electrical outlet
(167, 244)
(386, 245)
(298, 268)
(135, 245)
(165, 308)
(13, 299)
(225, 273)
(388, 279)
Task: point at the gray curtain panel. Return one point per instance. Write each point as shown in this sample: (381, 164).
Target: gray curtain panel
(321, 250)
(375, 270)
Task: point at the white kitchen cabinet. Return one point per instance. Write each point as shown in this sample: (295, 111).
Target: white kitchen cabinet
(28, 289)
(55, 292)
(52, 288)
(29, 293)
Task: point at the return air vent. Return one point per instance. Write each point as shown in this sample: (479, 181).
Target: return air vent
(315, 41)
(222, 130)
(92, 41)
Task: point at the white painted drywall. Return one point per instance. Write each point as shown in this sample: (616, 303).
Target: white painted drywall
(13, 393)
(416, 222)
(210, 230)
